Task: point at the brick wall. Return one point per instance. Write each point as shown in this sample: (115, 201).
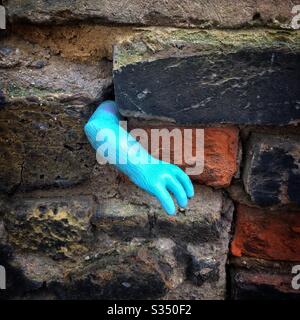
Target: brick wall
(72, 228)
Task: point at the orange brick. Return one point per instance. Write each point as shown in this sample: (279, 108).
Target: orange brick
(271, 235)
(220, 154)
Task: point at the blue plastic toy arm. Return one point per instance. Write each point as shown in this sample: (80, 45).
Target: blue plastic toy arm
(157, 177)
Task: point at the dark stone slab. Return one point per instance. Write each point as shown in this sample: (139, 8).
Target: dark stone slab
(244, 87)
(272, 169)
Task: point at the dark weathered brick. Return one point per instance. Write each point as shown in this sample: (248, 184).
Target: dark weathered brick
(272, 169)
(262, 280)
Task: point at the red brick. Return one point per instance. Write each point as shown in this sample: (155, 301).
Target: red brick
(271, 235)
(220, 154)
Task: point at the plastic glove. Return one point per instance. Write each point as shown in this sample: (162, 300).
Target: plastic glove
(157, 177)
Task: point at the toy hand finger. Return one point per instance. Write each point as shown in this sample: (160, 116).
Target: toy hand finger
(185, 181)
(176, 188)
(166, 200)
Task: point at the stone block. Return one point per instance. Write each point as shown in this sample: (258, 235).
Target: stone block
(210, 77)
(214, 13)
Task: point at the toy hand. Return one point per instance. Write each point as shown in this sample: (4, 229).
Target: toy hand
(162, 178)
(152, 175)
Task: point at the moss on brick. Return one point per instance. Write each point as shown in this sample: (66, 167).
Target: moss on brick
(14, 91)
(153, 43)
